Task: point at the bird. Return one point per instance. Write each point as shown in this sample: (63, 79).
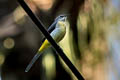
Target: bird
(57, 31)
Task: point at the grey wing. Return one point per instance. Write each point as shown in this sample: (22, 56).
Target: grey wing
(59, 32)
(50, 29)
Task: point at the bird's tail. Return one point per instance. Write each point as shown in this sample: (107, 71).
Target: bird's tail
(42, 48)
(32, 62)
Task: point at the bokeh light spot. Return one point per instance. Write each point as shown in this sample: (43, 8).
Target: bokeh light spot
(9, 43)
(2, 59)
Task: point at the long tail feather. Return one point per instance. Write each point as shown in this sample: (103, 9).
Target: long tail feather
(32, 62)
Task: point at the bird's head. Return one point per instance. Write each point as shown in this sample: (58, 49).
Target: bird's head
(61, 17)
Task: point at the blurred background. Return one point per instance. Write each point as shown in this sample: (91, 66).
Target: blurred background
(92, 40)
